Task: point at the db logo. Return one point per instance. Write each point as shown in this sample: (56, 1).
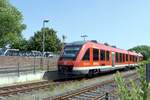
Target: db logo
(65, 63)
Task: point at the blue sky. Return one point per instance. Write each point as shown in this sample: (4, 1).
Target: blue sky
(124, 23)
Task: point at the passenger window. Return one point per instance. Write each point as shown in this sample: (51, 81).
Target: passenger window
(120, 57)
(86, 55)
(123, 57)
(95, 54)
(130, 58)
(102, 55)
(107, 55)
(126, 57)
(133, 58)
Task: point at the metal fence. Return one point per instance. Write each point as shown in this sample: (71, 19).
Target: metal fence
(18, 64)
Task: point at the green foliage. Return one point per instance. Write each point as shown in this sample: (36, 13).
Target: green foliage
(52, 42)
(137, 91)
(22, 45)
(143, 49)
(11, 27)
(10, 24)
(124, 93)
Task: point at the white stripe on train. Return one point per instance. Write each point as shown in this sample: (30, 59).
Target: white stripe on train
(103, 67)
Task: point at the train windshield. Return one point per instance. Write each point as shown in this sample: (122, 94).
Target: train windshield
(70, 52)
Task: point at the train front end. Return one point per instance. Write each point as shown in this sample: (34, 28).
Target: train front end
(67, 60)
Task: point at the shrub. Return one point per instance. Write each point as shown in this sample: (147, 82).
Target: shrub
(137, 91)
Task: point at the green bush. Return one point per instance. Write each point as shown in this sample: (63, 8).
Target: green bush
(137, 91)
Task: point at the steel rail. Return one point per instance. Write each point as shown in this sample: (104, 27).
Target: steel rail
(6, 91)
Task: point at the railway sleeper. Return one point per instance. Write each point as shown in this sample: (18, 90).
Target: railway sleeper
(85, 97)
(92, 94)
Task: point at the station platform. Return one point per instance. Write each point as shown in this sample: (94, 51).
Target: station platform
(14, 78)
(25, 77)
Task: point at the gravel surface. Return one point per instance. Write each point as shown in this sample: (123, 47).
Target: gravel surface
(53, 91)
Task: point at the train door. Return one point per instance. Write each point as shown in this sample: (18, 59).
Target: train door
(113, 59)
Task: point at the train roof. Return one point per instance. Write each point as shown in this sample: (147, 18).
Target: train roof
(105, 47)
(77, 43)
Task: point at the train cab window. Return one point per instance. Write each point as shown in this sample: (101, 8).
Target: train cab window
(107, 55)
(102, 55)
(86, 55)
(126, 57)
(95, 54)
(70, 52)
(116, 57)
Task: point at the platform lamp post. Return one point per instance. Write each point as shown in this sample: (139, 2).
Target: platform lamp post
(84, 36)
(44, 21)
(63, 38)
(43, 40)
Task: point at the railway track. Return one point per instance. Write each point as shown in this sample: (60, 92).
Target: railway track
(22, 88)
(14, 89)
(97, 91)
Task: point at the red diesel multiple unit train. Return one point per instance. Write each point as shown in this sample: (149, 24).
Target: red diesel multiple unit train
(91, 57)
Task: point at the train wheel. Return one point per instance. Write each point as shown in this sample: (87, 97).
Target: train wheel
(126, 68)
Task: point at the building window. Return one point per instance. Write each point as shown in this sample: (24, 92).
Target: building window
(102, 55)
(95, 54)
(107, 55)
(86, 55)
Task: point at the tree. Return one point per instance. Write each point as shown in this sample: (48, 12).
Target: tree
(52, 42)
(10, 24)
(21, 45)
(143, 49)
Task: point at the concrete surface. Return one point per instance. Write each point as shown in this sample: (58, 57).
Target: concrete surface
(24, 77)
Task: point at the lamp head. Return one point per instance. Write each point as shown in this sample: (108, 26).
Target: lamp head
(46, 21)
